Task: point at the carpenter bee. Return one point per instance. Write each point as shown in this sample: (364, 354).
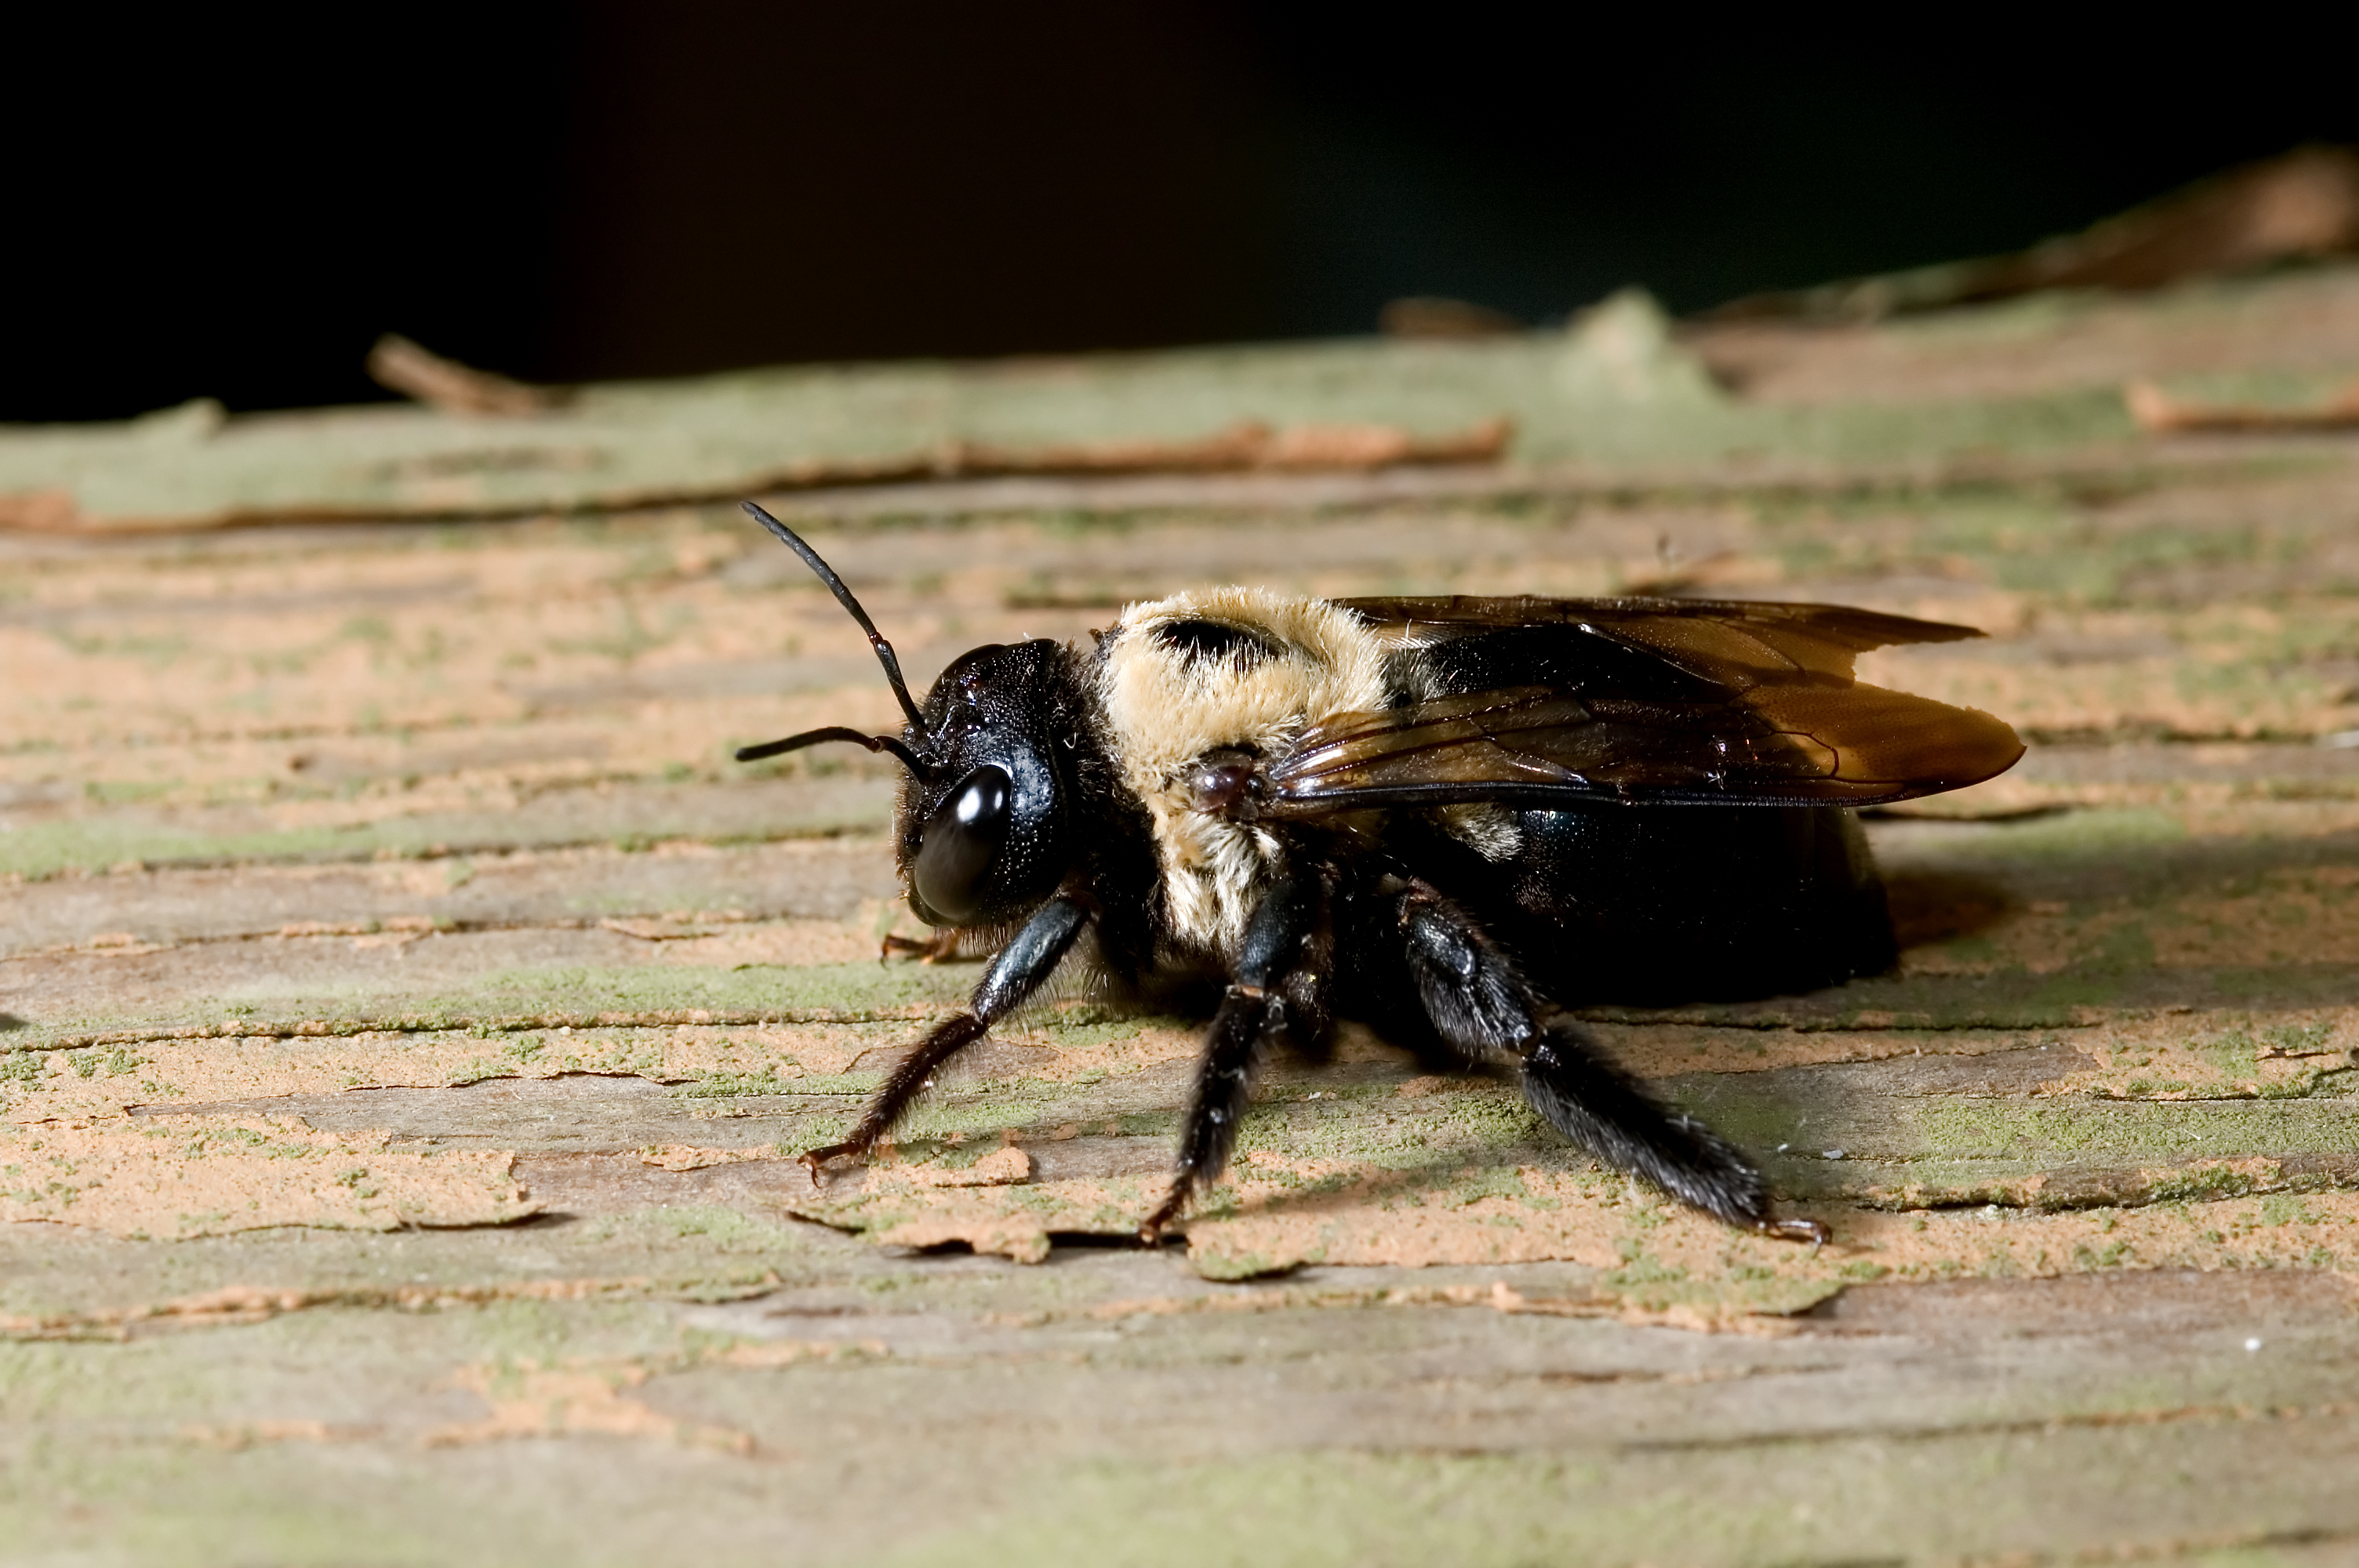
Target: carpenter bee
(1449, 818)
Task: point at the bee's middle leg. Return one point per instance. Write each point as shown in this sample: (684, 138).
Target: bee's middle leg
(1278, 986)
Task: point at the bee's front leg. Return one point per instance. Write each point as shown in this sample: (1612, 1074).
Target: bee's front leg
(941, 944)
(1020, 968)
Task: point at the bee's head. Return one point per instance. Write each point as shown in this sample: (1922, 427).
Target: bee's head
(980, 830)
(980, 835)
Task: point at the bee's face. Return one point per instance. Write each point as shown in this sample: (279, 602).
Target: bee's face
(983, 838)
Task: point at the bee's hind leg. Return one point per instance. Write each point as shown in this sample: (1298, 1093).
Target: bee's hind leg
(1604, 1111)
(1020, 969)
(1278, 986)
(1482, 1008)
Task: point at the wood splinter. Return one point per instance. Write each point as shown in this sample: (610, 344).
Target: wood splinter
(399, 365)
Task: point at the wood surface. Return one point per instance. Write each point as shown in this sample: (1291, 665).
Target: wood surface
(411, 1014)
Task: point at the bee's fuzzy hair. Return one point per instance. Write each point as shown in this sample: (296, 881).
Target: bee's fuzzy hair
(1167, 705)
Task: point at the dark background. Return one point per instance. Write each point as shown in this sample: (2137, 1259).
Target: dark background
(235, 206)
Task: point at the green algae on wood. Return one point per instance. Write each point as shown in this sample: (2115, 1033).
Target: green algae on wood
(1615, 389)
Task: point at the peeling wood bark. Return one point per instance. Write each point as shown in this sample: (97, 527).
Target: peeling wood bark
(426, 842)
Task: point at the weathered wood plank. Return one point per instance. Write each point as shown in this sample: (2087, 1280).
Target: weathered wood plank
(416, 845)
(1615, 394)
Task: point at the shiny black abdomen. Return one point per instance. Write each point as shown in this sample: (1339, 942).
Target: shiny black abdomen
(1688, 904)
(1662, 905)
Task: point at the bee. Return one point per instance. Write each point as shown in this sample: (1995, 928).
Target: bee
(1452, 819)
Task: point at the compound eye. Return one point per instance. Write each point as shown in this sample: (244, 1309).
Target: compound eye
(960, 842)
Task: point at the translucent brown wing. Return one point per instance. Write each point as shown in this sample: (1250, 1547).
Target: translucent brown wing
(1555, 702)
(1732, 642)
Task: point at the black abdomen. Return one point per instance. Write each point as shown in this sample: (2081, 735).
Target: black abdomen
(1688, 904)
(1661, 904)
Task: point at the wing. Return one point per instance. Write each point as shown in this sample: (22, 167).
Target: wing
(1721, 640)
(1546, 702)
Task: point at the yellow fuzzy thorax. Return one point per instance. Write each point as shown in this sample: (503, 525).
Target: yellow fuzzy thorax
(1166, 710)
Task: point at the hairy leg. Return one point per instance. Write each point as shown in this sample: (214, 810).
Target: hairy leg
(1238, 1040)
(934, 949)
(1020, 969)
(1275, 989)
(1482, 1008)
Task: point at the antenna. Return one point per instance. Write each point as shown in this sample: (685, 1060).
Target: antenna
(909, 760)
(875, 639)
